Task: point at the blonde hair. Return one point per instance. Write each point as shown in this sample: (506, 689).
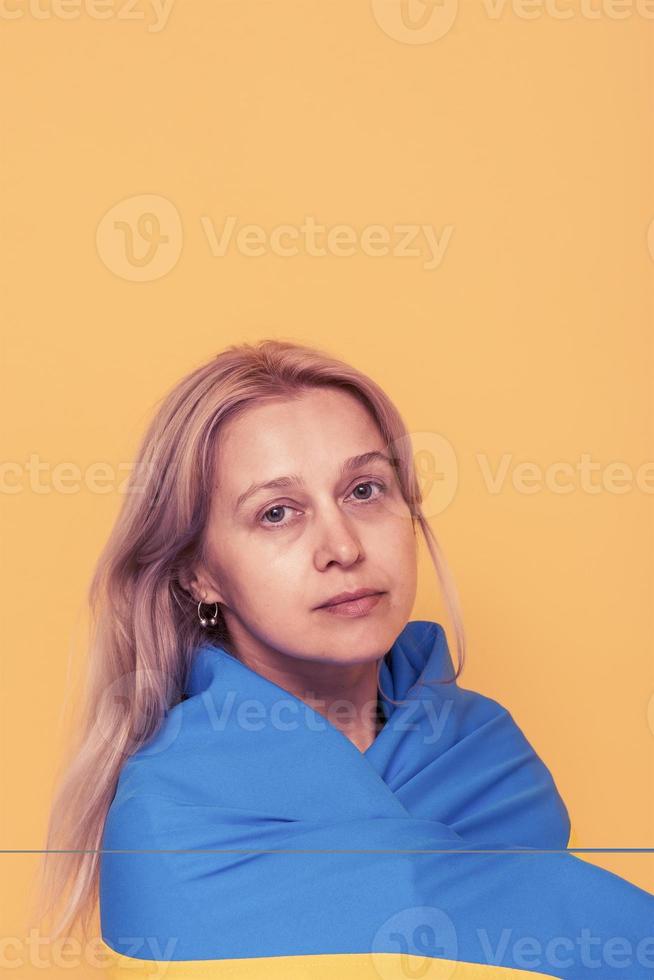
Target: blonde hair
(144, 624)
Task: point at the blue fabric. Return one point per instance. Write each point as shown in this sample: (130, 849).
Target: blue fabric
(283, 839)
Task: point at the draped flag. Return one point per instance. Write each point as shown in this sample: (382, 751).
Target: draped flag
(250, 838)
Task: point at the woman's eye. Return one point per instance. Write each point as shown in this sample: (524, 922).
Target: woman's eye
(358, 487)
(276, 515)
(275, 509)
(381, 487)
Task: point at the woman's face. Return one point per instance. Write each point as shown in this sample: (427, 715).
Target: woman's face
(278, 553)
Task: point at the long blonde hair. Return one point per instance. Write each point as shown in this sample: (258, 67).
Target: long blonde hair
(144, 625)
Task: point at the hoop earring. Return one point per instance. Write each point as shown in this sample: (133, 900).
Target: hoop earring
(213, 620)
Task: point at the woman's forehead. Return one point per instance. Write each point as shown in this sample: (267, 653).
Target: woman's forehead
(296, 435)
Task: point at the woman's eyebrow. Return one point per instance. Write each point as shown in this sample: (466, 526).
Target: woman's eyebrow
(281, 482)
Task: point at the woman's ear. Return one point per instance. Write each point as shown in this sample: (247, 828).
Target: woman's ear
(197, 583)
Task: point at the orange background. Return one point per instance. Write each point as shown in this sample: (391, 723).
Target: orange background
(529, 138)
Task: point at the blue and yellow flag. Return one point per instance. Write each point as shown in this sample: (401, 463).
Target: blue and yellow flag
(250, 838)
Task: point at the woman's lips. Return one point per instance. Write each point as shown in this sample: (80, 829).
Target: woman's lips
(354, 607)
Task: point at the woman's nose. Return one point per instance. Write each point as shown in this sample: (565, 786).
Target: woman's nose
(336, 540)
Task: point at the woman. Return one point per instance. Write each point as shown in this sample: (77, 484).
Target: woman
(278, 776)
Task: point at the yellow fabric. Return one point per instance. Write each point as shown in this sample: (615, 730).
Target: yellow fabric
(349, 966)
